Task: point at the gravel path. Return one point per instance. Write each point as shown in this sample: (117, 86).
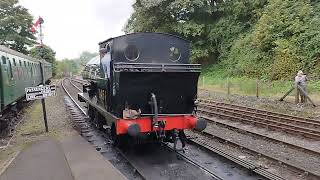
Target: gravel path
(58, 118)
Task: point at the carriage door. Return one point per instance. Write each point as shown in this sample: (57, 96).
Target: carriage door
(11, 79)
(32, 74)
(1, 83)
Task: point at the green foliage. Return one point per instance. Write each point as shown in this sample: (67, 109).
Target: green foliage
(269, 39)
(284, 37)
(84, 57)
(65, 67)
(47, 54)
(15, 24)
(74, 66)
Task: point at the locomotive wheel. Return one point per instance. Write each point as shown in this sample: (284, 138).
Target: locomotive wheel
(98, 120)
(118, 140)
(114, 136)
(90, 111)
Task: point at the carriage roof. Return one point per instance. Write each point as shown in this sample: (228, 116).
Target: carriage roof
(13, 52)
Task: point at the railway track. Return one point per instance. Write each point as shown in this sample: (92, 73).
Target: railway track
(205, 142)
(210, 109)
(194, 138)
(75, 86)
(243, 163)
(275, 121)
(79, 115)
(80, 81)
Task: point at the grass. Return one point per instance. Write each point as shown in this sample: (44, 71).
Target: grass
(31, 130)
(27, 132)
(248, 86)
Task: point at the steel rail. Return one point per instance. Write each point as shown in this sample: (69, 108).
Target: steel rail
(295, 166)
(195, 163)
(79, 81)
(193, 138)
(122, 154)
(235, 128)
(269, 113)
(84, 113)
(72, 99)
(70, 79)
(270, 116)
(271, 124)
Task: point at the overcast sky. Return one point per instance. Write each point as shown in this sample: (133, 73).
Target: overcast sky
(73, 26)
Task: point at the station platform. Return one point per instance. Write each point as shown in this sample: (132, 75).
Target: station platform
(72, 158)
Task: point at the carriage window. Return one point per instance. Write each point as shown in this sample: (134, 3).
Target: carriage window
(131, 53)
(25, 65)
(14, 62)
(10, 68)
(4, 61)
(174, 54)
(20, 62)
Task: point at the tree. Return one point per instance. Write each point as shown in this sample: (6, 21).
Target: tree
(283, 40)
(74, 66)
(46, 53)
(211, 26)
(257, 38)
(85, 56)
(15, 24)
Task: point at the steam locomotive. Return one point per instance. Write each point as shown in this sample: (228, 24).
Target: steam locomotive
(145, 89)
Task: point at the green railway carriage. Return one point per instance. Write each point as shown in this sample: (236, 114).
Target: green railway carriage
(18, 71)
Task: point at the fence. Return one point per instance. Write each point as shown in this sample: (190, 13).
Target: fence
(256, 87)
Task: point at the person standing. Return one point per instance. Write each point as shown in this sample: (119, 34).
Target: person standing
(301, 81)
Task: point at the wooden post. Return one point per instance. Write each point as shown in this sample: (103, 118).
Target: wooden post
(228, 86)
(282, 98)
(203, 82)
(257, 88)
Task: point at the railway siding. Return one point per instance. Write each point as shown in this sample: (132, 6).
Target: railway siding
(172, 168)
(262, 122)
(269, 113)
(298, 143)
(205, 142)
(292, 157)
(238, 126)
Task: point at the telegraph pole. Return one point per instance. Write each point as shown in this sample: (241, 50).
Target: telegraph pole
(43, 78)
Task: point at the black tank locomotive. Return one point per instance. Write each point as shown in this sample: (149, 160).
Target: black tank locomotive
(147, 88)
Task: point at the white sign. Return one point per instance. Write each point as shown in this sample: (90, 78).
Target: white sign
(40, 92)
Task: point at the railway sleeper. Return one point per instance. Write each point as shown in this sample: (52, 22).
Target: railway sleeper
(289, 120)
(263, 111)
(270, 121)
(268, 126)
